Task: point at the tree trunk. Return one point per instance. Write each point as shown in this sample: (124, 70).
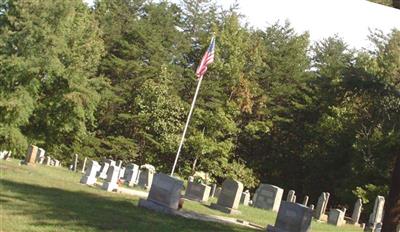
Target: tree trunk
(392, 206)
(194, 165)
(396, 4)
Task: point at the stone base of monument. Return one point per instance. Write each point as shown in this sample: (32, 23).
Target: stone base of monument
(109, 187)
(88, 180)
(148, 204)
(225, 209)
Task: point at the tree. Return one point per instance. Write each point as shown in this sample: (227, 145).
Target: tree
(394, 3)
(49, 55)
(384, 2)
(270, 133)
(145, 55)
(388, 65)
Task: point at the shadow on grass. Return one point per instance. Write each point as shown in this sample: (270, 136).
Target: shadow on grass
(72, 210)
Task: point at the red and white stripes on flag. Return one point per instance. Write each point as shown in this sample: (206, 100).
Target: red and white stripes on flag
(208, 58)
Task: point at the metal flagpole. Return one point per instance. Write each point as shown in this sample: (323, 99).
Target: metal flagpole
(187, 124)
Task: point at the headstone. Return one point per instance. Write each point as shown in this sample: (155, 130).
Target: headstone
(47, 160)
(321, 206)
(292, 217)
(378, 227)
(291, 196)
(7, 155)
(229, 198)
(268, 197)
(164, 195)
(2, 154)
(56, 163)
(305, 201)
(191, 179)
(326, 202)
(42, 160)
(217, 192)
(131, 174)
(111, 162)
(336, 217)
(137, 177)
(112, 177)
(84, 165)
(146, 176)
(245, 198)
(197, 191)
(356, 211)
(89, 177)
(76, 162)
(104, 169)
(40, 155)
(213, 188)
(377, 214)
(119, 163)
(31, 155)
(121, 172)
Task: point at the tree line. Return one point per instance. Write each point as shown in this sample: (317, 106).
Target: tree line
(116, 80)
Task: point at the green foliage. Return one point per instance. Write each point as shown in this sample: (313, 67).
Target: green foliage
(383, 2)
(368, 192)
(50, 51)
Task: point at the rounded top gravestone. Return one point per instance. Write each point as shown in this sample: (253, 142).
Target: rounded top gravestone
(230, 194)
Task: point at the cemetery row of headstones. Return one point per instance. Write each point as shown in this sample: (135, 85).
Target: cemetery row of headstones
(38, 155)
(270, 197)
(165, 196)
(292, 216)
(165, 193)
(113, 173)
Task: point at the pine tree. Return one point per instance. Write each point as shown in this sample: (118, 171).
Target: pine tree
(50, 51)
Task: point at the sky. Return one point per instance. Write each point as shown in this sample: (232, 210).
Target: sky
(349, 19)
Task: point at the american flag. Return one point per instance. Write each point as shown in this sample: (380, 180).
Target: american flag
(208, 58)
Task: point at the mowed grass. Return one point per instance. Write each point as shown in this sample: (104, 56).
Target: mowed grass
(45, 198)
(42, 198)
(263, 217)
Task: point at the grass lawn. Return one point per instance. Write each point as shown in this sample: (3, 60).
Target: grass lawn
(44, 198)
(263, 217)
